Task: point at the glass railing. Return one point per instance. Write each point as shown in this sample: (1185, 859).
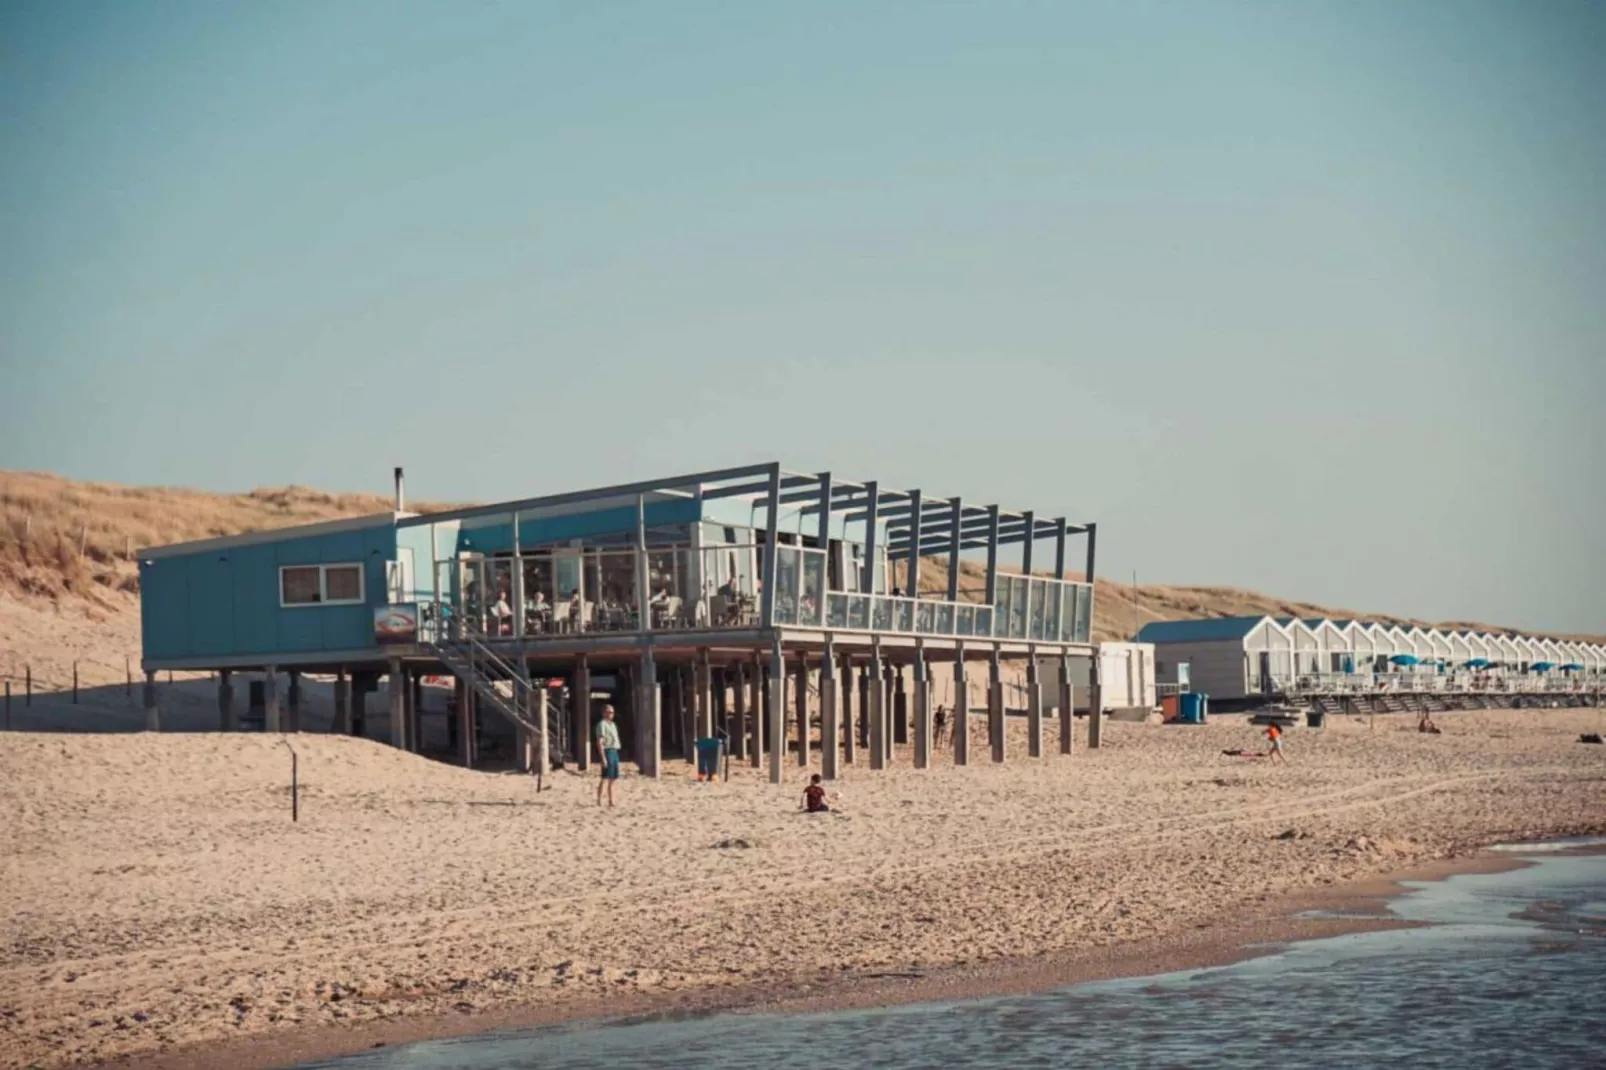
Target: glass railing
(586, 592)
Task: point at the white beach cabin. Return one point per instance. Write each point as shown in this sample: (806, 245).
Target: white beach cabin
(1229, 658)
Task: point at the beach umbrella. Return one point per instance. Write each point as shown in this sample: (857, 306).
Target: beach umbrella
(1572, 666)
(1478, 663)
(1542, 666)
(1405, 659)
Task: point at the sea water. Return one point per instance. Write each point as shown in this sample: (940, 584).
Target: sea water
(1510, 970)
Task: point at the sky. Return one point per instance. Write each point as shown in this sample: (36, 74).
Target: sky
(1307, 298)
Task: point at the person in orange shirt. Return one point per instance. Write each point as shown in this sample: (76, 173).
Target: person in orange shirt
(1275, 735)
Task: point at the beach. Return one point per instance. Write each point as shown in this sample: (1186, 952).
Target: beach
(160, 904)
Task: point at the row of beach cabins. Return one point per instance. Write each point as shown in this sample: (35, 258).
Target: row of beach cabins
(1245, 661)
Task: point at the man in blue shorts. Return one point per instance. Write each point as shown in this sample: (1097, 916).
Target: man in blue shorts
(608, 751)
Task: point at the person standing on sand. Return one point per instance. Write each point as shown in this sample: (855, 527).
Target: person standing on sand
(1274, 734)
(608, 751)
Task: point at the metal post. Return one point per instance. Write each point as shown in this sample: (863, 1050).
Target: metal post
(1027, 546)
(518, 581)
(342, 702)
(872, 518)
(643, 577)
(1095, 705)
(991, 597)
(772, 540)
(1092, 543)
(153, 715)
(912, 572)
(849, 691)
(758, 700)
(900, 708)
(955, 522)
(737, 676)
(824, 537)
(270, 700)
(922, 698)
(995, 706)
(398, 705)
(1034, 708)
(830, 728)
(876, 711)
(705, 697)
(961, 717)
(1067, 708)
(543, 737)
(1059, 548)
(777, 710)
(225, 702)
(802, 712)
(580, 716)
(650, 709)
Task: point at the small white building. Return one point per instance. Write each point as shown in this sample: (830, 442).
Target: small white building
(1229, 658)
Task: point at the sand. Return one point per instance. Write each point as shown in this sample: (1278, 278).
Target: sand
(158, 899)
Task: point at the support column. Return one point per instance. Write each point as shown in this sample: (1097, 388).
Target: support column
(398, 705)
(737, 674)
(409, 713)
(650, 710)
(830, 727)
(153, 715)
(688, 692)
(888, 696)
(1034, 709)
(1095, 704)
(802, 712)
(543, 730)
(225, 702)
(922, 697)
(900, 708)
(270, 700)
(876, 713)
(705, 698)
(580, 715)
(465, 725)
(961, 717)
(758, 699)
(849, 692)
(293, 703)
(995, 707)
(1067, 708)
(415, 710)
(867, 675)
(776, 729)
(454, 722)
(360, 686)
(342, 723)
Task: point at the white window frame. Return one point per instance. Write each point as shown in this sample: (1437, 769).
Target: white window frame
(323, 586)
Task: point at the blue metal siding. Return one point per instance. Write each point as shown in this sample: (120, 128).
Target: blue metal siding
(538, 531)
(1197, 631)
(417, 539)
(225, 602)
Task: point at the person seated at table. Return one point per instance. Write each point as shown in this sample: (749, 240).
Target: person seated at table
(502, 613)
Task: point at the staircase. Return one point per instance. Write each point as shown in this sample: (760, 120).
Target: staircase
(502, 687)
(1331, 705)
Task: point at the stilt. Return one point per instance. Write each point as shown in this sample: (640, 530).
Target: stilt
(225, 702)
(850, 689)
(153, 714)
(465, 725)
(454, 723)
(737, 675)
(293, 703)
(889, 674)
(995, 707)
(361, 684)
(580, 716)
(649, 707)
(775, 695)
(1095, 706)
(802, 713)
(760, 706)
(342, 723)
(961, 715)
(922, 697)
(830, 729)
(900, 708)
(415, 711)
(1067, 708)
(1034, 709)
(543, 735)
(704, 675)
(398, 705)
(270, 700)
(876, 713)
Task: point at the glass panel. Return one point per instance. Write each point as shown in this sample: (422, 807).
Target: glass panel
(1039, 600)
(881, 614)
(903, 615)
(925, 617)
(859, 611)
(342, 583)
(1001, 603)
(813, 596)
(965, 620)
(1068, 613)
(786, 585)
(1051, 611)
(945, 618)
(538, 594)
(1084, 613)
(984, 620)
(500, 593)
(1019, 601)
(300, 586)
(615, 606)
(836, 610)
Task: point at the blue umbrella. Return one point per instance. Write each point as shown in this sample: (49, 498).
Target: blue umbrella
(1477, 663)
(1572, 666)
(1542, 666)
(1405, 659)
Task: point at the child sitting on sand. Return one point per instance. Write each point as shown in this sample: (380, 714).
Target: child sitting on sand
(814, 797)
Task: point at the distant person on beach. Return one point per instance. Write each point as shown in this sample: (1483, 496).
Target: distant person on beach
(1274, 735)
(608, 751)
(940, 725)
(814, 797)
(1425, 724)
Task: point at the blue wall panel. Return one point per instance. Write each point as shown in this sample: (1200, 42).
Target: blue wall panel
(211, 603)
(537, 531)
(164, 608)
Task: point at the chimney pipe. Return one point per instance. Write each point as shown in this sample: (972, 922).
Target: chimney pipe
(401, 498)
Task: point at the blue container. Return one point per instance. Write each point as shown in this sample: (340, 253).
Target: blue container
(1191, 707)
(708, 752)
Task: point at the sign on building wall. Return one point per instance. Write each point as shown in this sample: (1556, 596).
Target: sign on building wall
(396, 623)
